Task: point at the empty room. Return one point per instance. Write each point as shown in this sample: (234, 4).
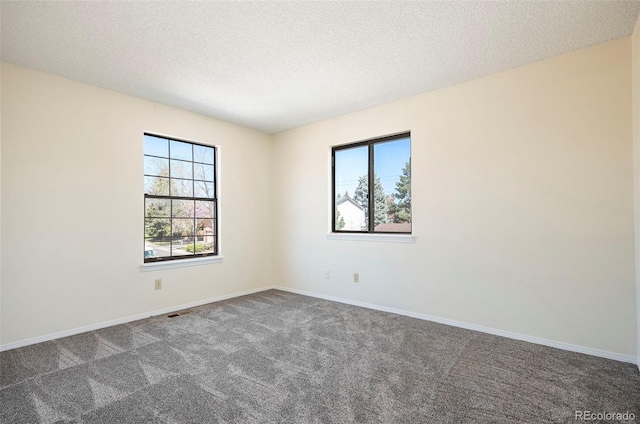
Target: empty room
(319, 211)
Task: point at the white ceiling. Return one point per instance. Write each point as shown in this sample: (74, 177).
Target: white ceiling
(273, 65)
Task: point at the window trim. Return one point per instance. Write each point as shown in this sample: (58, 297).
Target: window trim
(197, 258)
(183, 262)
(371, 183)
(373, 237)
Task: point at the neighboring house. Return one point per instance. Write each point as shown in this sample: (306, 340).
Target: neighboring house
(352, 213)
(205, 231)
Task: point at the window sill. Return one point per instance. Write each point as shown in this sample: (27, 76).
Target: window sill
(387, 238)
(180, 263)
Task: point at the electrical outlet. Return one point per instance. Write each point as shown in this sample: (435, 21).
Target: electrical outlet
(356, 277)
(158, 284)
(327, 274)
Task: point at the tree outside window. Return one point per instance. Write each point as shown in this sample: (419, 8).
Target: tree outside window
(385, 163)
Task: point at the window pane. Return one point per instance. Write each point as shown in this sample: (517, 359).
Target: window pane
(182, 246)
(392, 165)
(205, 234)
(180, 150)
(351, 189)
(178, 226)
(156, 146)
(182, 208)
(203, 154)
(205, 227)
(182, 227)
(204, 189)
(157, 227)
(204, 209)
(181, 169)
(204, 247)
(203, 172)
(156, 166)
(182, 188)
(156, 185)
(157, 208)
(157, 247)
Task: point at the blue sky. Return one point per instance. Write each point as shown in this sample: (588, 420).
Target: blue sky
(389, 160)
(158, 146)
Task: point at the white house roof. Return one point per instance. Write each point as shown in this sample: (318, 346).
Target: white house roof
(344, 199)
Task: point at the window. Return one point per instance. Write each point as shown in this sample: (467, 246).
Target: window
(378, 169)
(180, 205)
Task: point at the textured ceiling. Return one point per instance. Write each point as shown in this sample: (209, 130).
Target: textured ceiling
(279, 65)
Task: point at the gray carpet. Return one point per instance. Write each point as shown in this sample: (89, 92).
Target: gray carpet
(276, 357)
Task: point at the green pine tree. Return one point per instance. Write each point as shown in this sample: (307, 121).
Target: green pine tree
(403, 194)
(339, 220)
(157, 222)
(361, 196)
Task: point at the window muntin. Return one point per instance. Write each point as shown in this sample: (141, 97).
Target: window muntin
(385, 165)
(180, 204)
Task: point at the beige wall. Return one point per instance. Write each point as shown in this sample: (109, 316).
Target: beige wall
(72, 206)
(636, 156)
(522, 197)
(0, 207)
(522, 191)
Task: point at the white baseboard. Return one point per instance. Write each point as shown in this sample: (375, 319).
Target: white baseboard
(488, 330)
(124, 320)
